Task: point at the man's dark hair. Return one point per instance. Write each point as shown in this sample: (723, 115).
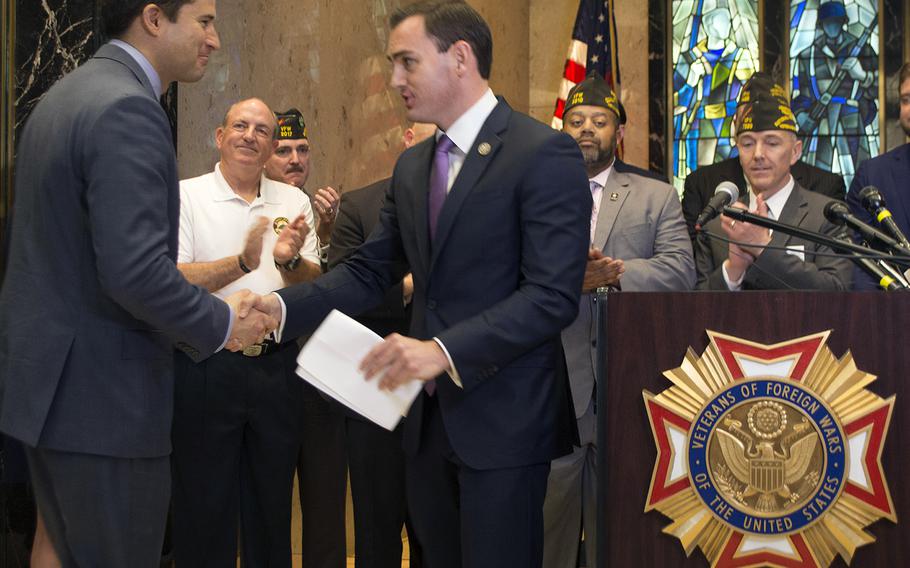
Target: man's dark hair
(117, 15)
(904, 74)
(448, 22)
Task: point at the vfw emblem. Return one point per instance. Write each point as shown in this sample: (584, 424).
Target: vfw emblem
(769, 455)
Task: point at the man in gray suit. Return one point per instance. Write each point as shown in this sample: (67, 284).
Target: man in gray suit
(93, 303)
(638, 243)
(765, 260)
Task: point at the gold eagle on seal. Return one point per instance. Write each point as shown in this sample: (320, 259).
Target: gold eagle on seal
(768, 468)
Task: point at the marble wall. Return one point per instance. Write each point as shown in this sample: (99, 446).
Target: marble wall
(327, 58)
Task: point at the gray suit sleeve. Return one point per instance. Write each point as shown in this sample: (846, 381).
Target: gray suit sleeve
(777, 269)
(126, 166)
(672, 266)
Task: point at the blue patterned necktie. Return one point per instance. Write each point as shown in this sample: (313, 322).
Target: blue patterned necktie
(439, 181)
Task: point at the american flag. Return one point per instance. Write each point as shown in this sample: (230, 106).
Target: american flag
(593, 48)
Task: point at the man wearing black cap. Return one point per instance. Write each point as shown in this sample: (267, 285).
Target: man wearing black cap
(322, 463)
(290, 163)
(700, 184)
(768, 146)
(236, 415)
(638, 243)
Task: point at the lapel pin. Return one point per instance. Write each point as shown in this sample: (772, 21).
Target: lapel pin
(484, 148)
(614, 196)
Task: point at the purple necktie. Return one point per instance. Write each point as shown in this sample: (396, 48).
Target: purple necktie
(439, 181)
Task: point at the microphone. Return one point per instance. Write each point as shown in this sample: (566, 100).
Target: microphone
(879, 272)
(874, 202)
(839, 214)
(725, 194)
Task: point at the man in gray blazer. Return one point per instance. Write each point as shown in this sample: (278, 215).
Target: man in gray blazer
(93, 303)
(638, 243)
(765, 260)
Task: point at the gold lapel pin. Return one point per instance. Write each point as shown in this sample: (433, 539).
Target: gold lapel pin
(484, 148)
(279, 224)
(614, 196)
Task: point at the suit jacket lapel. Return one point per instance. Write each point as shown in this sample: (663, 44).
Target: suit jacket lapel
(795, 210)
(614, 195)
(420, 187)
(475, 163)
(109, 51)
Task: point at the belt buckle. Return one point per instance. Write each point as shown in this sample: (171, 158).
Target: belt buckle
(253, 350)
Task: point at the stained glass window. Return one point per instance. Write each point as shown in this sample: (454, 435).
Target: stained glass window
(834, 73)
(715, 50)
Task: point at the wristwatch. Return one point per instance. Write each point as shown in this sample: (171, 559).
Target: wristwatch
(323, 250)
(246, 269)
(290, 265)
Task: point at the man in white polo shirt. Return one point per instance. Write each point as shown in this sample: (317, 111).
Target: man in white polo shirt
(236, 419)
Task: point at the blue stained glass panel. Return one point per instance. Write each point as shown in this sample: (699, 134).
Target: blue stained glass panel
(834, 61)
(715, 50)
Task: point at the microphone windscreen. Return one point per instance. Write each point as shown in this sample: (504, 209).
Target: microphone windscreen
(729, 188)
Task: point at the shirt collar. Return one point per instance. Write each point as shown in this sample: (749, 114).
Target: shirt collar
(144, 63)
(223, 191)
(603, 176)
(465, 129)
(777, 201)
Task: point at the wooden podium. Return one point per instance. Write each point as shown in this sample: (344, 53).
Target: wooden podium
(649, 333)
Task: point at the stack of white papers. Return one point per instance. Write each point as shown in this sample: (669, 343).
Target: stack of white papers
(330, 359)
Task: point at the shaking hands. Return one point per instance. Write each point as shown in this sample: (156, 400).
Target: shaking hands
(253, 319)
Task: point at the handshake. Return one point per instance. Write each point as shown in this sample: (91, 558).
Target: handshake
(255, 317)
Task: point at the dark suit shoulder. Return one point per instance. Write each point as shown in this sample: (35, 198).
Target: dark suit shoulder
(367, 195)
(712, 174)
(818, 180)
(887, 160)
(626, 168)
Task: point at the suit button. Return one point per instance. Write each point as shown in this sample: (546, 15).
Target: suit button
(431, 304)
(594, 343)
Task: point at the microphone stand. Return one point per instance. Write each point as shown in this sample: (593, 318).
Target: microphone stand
(832, 243)
(600, 402)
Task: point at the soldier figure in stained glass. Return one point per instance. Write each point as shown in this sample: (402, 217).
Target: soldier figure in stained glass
(835, 93)
(707, 80)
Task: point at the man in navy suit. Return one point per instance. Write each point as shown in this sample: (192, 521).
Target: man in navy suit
(491, 217)
(889, 173)
(93, 303)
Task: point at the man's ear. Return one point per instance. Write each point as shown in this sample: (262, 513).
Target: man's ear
(151, 19)
(464, 57)
(797, 151)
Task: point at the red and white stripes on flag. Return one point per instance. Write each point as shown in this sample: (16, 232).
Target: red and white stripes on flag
(593, 48)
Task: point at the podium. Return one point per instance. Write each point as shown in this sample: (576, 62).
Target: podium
(649, 333)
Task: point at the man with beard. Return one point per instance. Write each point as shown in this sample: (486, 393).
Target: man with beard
(236, 425)
(321, 463)
(890, 173)
(638, 243)
(765, 260)
(290, 163)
